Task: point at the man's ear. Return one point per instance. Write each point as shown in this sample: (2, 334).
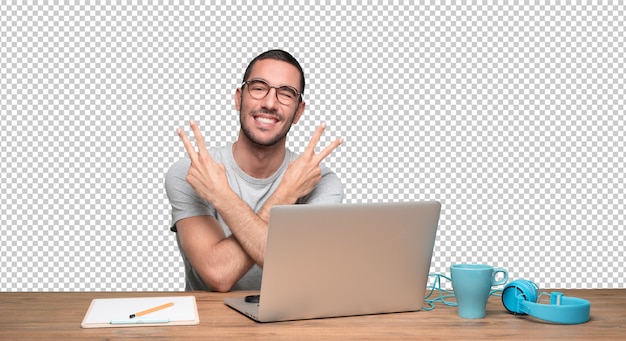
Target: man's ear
(238, 99)
(301, 106)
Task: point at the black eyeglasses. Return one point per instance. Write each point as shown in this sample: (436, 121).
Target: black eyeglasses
(258, 89)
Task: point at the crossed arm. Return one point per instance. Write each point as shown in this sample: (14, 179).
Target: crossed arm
(221, 261)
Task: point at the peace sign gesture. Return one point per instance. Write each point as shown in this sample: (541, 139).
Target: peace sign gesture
(205, 175)
(304, 173)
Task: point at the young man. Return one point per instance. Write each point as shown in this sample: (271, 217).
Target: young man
(221, 198)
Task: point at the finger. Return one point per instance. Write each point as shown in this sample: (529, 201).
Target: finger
(199, 138)
(315, 139)
(329, 149)
(191, 151)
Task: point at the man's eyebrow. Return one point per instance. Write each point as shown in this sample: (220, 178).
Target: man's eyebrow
(268, 82)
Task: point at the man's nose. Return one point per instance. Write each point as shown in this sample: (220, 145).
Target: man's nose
(271, 100)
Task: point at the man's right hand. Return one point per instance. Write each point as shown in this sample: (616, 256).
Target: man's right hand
(304, 173)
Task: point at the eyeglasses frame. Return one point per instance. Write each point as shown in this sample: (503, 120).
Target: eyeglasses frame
(298, 93)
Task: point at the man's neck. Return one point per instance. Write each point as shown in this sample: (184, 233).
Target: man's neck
(258, 161)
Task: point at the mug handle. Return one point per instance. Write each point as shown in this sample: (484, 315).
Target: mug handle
(503, 280)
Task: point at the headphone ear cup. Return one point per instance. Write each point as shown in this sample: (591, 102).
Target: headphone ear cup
(517, 292)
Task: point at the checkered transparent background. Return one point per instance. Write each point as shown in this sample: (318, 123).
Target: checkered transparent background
(511, 115)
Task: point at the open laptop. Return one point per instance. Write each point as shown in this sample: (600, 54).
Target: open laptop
(342, 260)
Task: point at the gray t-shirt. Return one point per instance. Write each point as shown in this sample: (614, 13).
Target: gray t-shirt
(186, 203)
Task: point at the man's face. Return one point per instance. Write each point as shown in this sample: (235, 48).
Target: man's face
(267, 121)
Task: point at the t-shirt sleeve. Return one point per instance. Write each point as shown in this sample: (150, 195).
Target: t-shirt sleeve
(183, 199)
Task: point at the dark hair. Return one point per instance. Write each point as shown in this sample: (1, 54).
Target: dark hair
(277, 55)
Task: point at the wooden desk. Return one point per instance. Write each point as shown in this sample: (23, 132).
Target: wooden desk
(57, 316)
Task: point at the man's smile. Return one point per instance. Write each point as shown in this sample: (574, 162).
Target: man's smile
(266, 120)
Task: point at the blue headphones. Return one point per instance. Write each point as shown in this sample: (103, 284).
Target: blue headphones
(520, 297)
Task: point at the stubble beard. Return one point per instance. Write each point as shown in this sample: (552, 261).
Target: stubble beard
(273, 141)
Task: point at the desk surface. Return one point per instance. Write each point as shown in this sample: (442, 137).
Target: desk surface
(57, 316)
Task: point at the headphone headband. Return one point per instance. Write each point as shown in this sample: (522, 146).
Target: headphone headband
(520, 297)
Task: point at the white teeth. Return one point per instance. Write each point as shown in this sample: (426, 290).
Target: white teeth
(265, 120)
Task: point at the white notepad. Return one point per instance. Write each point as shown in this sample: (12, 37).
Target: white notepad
(115, 312)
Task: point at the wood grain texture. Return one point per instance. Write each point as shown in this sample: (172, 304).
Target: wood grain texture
(57, 316)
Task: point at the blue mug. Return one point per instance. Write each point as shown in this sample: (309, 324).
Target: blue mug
(472, 284)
